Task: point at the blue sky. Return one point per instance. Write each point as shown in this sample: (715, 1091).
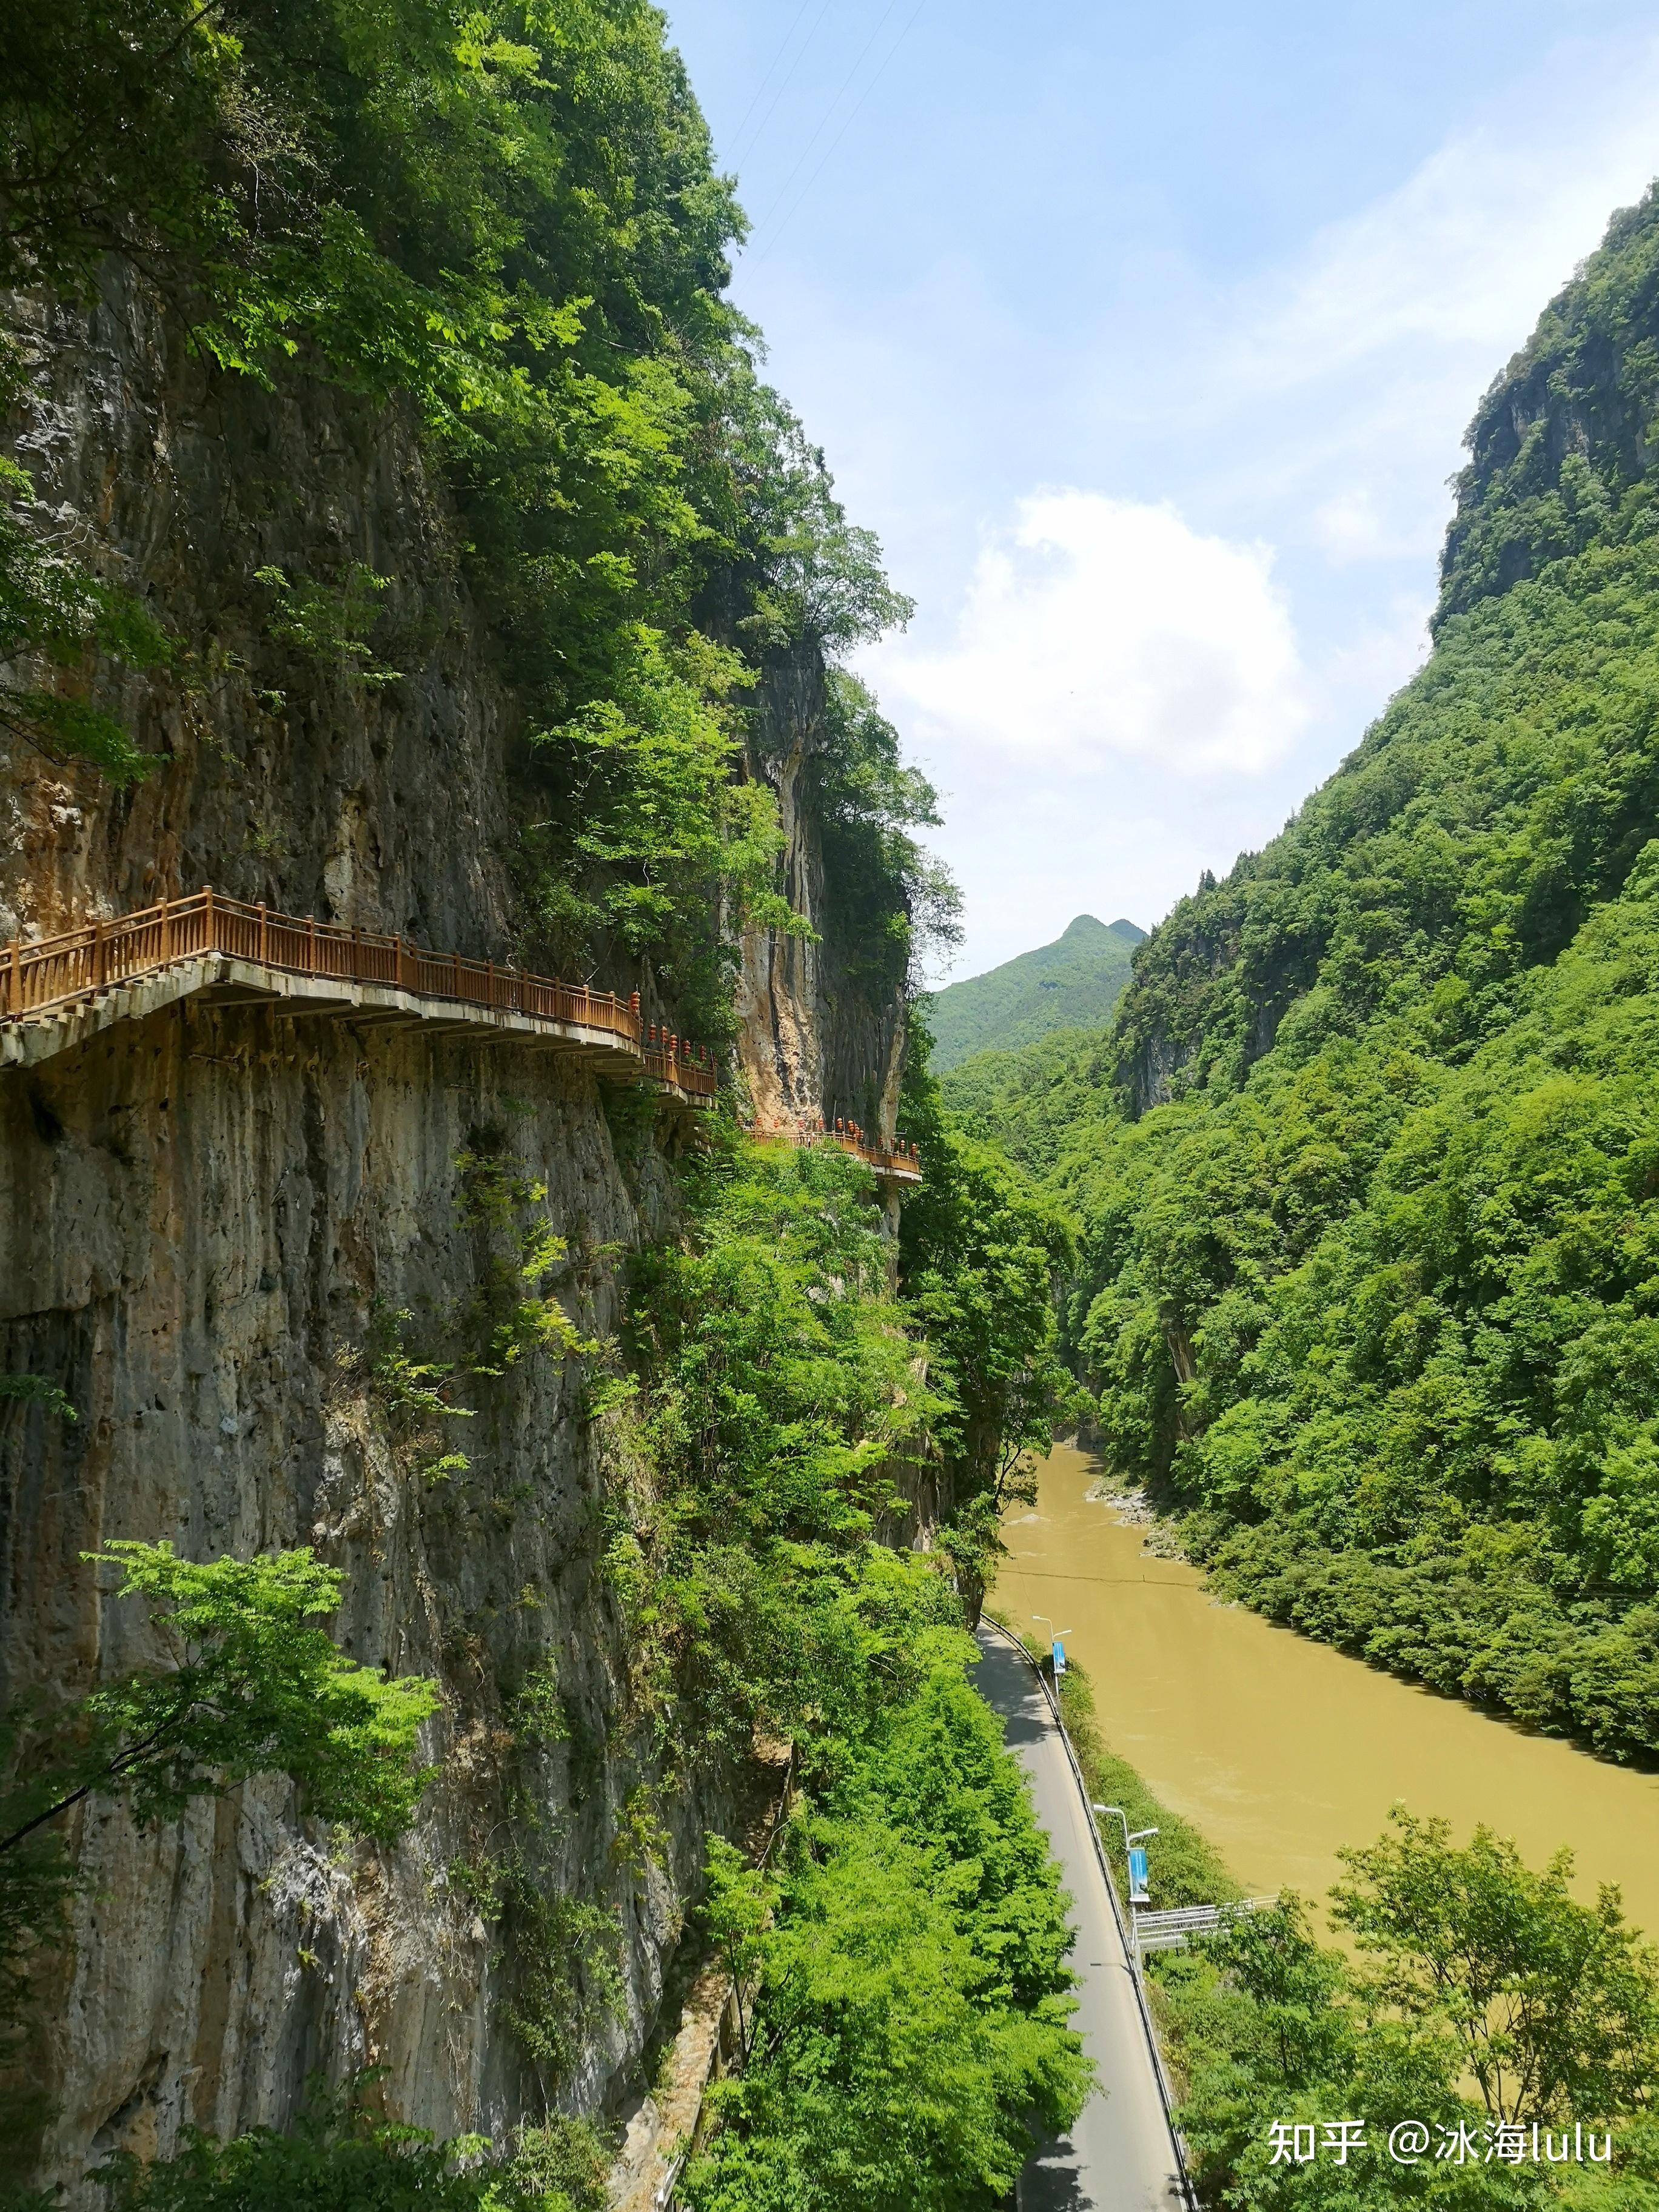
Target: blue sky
(1145, 338)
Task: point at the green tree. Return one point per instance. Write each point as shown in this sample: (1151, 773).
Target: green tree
(1555, 2004)
(982, 1253)
(735, 1914)
(252, 1690)
(1471, 1968)
(909, 2042)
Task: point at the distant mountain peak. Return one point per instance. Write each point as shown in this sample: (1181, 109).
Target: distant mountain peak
(1073, 983)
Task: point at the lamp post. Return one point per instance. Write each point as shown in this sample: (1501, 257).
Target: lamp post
(1058, 1647)
(1139, 1894)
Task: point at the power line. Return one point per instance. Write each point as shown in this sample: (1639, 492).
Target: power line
(823, 124)
(759, 130)
(784, 220)
(766, 74)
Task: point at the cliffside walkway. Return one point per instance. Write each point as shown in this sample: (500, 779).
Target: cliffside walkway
(895, 1163)
(1121, 2156)
(62, 990)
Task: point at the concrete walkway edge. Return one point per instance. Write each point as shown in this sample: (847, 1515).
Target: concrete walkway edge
(1016, 1650)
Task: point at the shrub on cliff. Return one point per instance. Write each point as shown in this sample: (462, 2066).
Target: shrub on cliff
(251, 1689)
(343, 2157)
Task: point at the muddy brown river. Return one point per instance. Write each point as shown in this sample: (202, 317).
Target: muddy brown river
(1280, 1749)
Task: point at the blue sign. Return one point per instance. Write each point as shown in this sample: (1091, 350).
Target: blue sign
(1139, 1894)
(1059, 1658)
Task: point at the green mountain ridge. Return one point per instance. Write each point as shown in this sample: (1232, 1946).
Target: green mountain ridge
(1073, 983)
(1366, 1168)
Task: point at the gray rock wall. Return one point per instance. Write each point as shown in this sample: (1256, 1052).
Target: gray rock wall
(209, 1217)
(815, 1041)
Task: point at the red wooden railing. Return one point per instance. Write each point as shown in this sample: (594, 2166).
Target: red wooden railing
(901, 1158)
(81, 962)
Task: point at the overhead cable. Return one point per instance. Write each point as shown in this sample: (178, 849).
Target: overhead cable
(777, 230)
(738, 148)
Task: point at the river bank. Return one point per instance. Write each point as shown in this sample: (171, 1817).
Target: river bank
(1281, 1750)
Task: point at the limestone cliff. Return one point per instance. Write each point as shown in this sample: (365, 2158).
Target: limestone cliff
(815, 1042)
(217, 1230)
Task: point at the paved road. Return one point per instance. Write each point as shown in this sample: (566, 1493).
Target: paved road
(1120, 2157)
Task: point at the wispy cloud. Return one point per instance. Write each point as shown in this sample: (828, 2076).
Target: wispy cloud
(1095, 630)
(1356, 363)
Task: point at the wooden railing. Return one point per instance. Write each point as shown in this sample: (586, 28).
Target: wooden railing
(901, 1159)
(81, 962)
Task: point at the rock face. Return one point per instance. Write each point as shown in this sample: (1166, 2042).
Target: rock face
(212, 1214)
(816, 1039)
(221, 1230)
(285, 777)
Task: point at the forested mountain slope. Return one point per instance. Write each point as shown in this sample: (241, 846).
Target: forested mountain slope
(1073, 983)
(1371, 1276)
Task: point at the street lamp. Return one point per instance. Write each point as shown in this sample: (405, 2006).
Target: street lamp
(1059, 1648)
(1136, 1859)
(1139, 1835)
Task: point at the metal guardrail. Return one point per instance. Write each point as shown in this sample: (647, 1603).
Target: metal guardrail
(96, 956)
(1169, 1931)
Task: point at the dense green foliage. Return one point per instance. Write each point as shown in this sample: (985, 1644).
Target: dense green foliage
(750, 1451)
(887, 901)
(1554, 2004)
(344, 2159)
(1371, 1296)
(981, 1253)
(1473, 1992)
(1558, 451)
(1030, 1102)
(1073, 983)
(1271, 2028)
(909, 2038)
(507, 222)
(1471, 1970)
(910, 2030)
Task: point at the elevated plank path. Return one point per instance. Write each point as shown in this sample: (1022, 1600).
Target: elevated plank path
(62, 990)
(896, 1163)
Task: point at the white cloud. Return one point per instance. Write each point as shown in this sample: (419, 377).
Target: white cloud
(1462, 254)
(1096, 630)
(1355, 366)
(1347, 527)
